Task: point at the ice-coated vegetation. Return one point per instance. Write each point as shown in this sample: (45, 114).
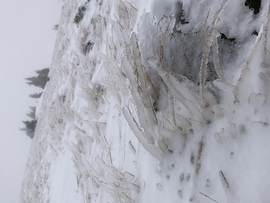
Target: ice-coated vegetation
(155, 102)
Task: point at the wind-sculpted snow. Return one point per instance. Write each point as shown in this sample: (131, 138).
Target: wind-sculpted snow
(163, 105)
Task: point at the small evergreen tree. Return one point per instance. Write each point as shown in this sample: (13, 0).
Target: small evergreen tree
(36, 95)
(30, 127)
(40, 80)
(32, 113)
(55, 27)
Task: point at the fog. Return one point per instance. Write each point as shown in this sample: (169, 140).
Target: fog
(27, 41)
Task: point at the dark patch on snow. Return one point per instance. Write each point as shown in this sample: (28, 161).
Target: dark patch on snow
(254, 5)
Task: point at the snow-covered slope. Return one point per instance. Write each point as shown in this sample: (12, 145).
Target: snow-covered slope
(155, 102)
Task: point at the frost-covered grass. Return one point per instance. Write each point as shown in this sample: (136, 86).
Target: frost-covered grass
(155, 111)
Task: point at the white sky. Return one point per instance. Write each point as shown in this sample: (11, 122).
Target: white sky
(26, 44)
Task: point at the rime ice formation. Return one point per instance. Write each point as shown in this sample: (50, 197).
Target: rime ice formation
(155, 102)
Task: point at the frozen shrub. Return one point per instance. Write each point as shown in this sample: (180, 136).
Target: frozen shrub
(88, 47)
(80, 14)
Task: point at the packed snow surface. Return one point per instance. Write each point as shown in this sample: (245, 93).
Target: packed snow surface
(155, 101)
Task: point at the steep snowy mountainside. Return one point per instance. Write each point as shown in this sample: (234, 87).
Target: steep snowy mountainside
(155, 102)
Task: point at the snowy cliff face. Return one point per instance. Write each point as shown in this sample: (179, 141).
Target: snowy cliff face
(155, 102)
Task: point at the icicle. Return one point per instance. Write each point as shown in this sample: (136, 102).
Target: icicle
(204, 62)
(246, 67)
(216, 58)
(179, 91)
(224, 86)
(146, 113)
(267, 35)
(209, 41)
(146, 143)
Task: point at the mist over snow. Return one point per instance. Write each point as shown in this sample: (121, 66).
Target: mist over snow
(164, 101)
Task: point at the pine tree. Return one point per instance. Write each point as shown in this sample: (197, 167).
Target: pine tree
(30, 127)
(36, 95)
(40, 80)
(32, 113)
